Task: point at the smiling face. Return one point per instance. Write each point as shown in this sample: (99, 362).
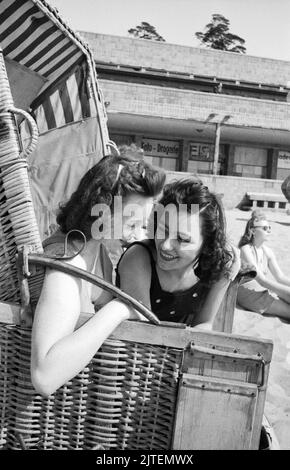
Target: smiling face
(178, 239)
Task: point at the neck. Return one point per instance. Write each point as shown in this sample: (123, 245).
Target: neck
(257, 243)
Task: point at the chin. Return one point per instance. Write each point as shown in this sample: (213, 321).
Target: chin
(166, 265)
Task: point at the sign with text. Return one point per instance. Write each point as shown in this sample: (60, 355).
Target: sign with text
(160, 148)
(283, 159)
(200, 151)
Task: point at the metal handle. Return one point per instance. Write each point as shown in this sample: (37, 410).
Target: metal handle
(32, 127)
(40, 260)
(227, 354)
(230, 355)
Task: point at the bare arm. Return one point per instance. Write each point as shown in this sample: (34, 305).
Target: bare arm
(275, 268)
(135, 274)
(280, 289)
(212, 304)
(216, 294)
(58, 352)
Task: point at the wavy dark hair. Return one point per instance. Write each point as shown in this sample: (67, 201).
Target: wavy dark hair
(214, 259)
(111, 176)
(248, 235)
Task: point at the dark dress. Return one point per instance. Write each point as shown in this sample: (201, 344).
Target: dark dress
(179, 306)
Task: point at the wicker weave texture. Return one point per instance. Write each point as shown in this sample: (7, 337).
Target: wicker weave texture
(17, 219)
(125, 398)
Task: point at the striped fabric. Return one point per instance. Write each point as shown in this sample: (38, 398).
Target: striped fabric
(30, 37)
(34, 35)
(70, 101)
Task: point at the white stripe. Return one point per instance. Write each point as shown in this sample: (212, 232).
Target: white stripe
(57, 109)
(40, 120)
(58, 59)
(30, 39)
(17, 32)
(50, 51)
(24, 130)
(73, 92)
(14, 17)
(61, 70)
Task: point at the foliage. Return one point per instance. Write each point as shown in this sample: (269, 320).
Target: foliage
(217, 35)
(145, 31)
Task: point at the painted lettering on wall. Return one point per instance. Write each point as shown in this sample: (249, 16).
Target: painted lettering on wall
(200, 151)
(283, 159)
(160, 148)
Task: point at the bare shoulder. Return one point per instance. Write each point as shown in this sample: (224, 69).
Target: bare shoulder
(268, 252)
(136, 257)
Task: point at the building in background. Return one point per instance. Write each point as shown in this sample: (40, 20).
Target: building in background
(196, 110)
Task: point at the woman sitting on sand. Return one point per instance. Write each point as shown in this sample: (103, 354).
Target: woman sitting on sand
(261, 294)
(59, 350)
(183, 272)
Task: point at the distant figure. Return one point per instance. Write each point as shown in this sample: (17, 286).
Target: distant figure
(261, 294)
(218, 88)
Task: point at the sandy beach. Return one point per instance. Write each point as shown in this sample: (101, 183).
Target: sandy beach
(277, 408)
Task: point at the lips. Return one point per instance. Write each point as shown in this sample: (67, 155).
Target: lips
(166, 257)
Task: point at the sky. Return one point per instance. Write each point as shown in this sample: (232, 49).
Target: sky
(264, 24)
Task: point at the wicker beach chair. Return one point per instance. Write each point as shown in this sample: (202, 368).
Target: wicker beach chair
(149, 387)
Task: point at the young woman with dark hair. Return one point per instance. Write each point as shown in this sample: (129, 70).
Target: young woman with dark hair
(184, 272)
(262, 295)
(59, 350)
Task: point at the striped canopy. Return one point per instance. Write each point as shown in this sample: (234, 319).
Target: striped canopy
(52, 60)
(52, 75)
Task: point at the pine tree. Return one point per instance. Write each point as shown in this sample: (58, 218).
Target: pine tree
(145, 31)
(217, 35)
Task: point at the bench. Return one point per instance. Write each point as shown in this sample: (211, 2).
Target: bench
(268, 200)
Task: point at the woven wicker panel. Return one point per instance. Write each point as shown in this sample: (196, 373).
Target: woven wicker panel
(125, 398)
(17, 219)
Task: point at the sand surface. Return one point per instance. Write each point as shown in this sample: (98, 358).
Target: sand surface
(277, 408)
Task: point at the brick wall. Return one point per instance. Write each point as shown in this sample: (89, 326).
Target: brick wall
(148, 100)
(233, 188)
(192, 60)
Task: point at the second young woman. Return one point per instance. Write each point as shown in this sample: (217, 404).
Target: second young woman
(183, 274)
(263, 294)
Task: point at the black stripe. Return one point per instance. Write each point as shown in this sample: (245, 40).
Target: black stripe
(55, 84)
(60, 64)
(83, 91)
(66, 104)
(35, 44)
(18, 22)
(10, 10)
(49, 114)
(52, 57)
(25, 35)
(43, 51)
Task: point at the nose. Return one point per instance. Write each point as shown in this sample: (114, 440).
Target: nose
(168, 244)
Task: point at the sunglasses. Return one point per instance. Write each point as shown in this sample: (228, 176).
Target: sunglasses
(264, 227)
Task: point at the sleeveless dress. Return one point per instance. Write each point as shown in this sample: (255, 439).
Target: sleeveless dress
(180, 306)
(251, 295)
(95, 260)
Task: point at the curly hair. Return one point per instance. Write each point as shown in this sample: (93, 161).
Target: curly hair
(111, 176)
(214, 259)
(248, 235)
